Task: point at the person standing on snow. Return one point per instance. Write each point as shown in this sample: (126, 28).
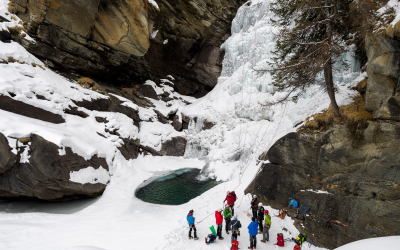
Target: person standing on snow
(267, 225)
(218, 218)
(253, 233)
(230, 200)
(234, 226)
(254, 207)
(190, 220)
(260, 217)
(227, 217)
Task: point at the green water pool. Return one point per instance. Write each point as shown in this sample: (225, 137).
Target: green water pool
(175, 188)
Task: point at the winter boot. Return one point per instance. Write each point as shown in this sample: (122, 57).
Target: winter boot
(221, 238)
(190, 237)
(196, 238)
(263, 241)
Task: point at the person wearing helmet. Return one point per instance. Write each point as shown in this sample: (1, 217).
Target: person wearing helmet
(254, 207)
(260, 217)
(227, 217)
(230, 200)
(190, 220)
(234, 226)
(267, 225)
(218, 218)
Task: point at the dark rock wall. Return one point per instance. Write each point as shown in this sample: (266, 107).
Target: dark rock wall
(110, 40)
(361, 174)
(46, 175)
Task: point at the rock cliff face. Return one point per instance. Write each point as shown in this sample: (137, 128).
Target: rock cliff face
(46, 175)
(357, 166)
(383, 88)
(128, 42)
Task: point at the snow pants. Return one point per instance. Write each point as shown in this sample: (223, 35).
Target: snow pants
(234, 235)
(260, 225)
(266, 233)
(219, 230)
(227, 222)
(253, 241)
(233, 210)
(254, 210)
(190, 231)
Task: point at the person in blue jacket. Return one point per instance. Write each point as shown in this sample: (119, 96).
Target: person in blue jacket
(253, 231)
(190, 220)
(293, 202)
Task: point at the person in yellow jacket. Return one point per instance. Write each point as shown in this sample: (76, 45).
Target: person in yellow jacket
(267, 225)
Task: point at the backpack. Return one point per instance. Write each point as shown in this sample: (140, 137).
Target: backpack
(281, 241)
(235, 245)
(234, 196)
(300, 238)
(297, 247)
(282, 213)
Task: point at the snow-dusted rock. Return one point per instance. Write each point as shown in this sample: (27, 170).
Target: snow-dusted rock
(360, 171)
(45, 172)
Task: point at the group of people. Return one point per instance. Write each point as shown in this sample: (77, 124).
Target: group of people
(260, 222)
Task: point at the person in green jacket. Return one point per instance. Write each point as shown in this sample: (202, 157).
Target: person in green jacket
(227, 217)
(267, 225)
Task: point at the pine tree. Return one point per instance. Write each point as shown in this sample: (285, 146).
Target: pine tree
(310, 43)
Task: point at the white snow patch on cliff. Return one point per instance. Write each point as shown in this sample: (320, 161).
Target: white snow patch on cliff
(90, 175)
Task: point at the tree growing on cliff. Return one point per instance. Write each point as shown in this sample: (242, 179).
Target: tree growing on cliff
(309, 45)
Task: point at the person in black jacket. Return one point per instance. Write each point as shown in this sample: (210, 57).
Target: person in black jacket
(254, 207)
(235, 225)
(260, 217)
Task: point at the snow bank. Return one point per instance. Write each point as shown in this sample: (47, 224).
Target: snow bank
(387, 243)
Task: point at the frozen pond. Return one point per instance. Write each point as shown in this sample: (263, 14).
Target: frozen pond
(174, 188)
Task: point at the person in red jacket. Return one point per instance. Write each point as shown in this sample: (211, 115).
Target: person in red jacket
(230, 200)
(219, 219)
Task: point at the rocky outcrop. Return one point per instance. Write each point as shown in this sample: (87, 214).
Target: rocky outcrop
(359, 170)
(128, 42)
(383, 88)
(46, 173)
(21, 108)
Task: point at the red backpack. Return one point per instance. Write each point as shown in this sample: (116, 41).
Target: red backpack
(234, 196)
(235, 245)
(281, 241)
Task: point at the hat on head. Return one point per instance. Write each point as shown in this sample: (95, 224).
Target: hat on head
(266, 212)
(254, 196)
(220, 210)
(191, 211)
(260, 204)
(253, 219)
(228, 192)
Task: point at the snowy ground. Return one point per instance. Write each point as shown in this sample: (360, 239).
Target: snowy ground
(243, 130)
